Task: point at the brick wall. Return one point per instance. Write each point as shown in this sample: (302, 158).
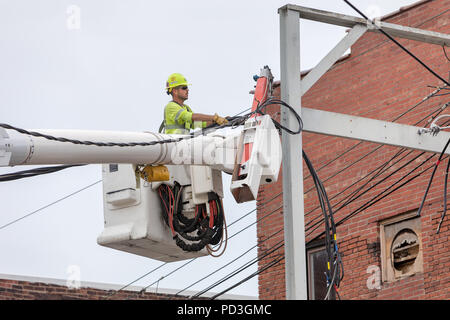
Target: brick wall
(378, 80)
(12, 289)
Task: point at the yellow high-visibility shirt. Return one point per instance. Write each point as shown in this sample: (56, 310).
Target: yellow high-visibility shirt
(178, 119)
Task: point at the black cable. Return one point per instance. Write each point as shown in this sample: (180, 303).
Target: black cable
(163, 277)
(398, 44)
(92, 143)
(438, 111)
(260, 219)
(240, 269)
(335, 271)
(383, 42)
(445, 52)
(230, 262)
(431, 178)
(34, 172)
(373, 186)
(273, 101)
(445, 196)
(240, 120)
(374, 200)
(198, 230)
(48, 205)
(334, 261)
(340, 261)
(130, 283)
(267, 266)
(381, 169)
(267, 215)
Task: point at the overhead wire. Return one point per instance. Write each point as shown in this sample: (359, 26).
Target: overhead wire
(235, 234)
(336, 270)
(419, 211)
(230, 262)
(375, 185)
(387, 40)
(290, 131)
(426, 98)
(445, 197)
(334, 260)
(34, 172)
(380, 169)
(433, 115)
(394, 190)
(380, 196)
(445, 52)
(349, 198)
(397, 43)
(260, 270)
(430, 70)
(50, 204)
(316, 222)
(243, 267)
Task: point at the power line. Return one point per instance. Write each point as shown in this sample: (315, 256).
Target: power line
(383, 42)
(437, 111)
(371, 187)
(368, 204)
(274, 262)
(375, 200)
(50, 204)
(445, 52)
(398, 44)
(426, 98)
(265, 216)
(129, 284)
(240, 256)
(34, 172)
(267, 266)
(381, 169)
(246, 265)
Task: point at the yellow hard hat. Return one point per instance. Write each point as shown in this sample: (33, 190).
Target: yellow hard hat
(175, 80)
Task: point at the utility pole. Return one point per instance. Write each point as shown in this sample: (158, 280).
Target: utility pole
(293, 206)
(329, 123)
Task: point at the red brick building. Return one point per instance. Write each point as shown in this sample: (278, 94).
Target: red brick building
(13, 287)
(387, 253)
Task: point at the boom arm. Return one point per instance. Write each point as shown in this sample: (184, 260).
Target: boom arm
(215, 150)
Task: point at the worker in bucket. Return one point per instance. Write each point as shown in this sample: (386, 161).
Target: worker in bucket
(178, 117)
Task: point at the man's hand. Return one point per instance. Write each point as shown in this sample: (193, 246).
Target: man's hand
(219, 120)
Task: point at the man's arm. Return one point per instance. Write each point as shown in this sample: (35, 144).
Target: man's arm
(203, 117)
(208, 118)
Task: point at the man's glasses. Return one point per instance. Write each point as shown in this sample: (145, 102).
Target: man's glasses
(184, 88)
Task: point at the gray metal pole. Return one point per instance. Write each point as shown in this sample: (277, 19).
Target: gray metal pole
(293, 206)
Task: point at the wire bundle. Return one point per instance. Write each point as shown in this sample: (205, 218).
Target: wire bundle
(34, 172)
(240, 120)
(335, 270)
(192, 234)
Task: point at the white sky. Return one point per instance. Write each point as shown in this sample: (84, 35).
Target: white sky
(109, 75)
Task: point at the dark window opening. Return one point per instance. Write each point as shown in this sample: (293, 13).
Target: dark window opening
(317, 268)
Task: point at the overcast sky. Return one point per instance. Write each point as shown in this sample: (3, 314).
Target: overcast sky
(103, 65)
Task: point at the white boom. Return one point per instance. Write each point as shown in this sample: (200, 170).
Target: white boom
(137, 218)
(216, 150)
